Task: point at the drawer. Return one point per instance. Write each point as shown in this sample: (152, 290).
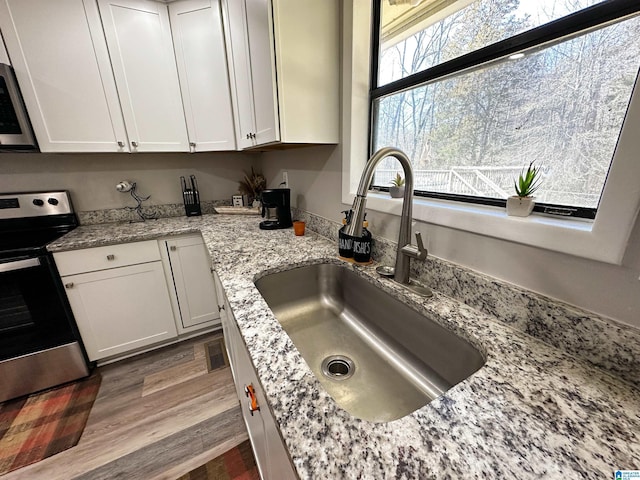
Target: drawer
(102, 258)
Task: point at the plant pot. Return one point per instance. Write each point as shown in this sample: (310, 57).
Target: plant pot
(520, 206)
(396, 192)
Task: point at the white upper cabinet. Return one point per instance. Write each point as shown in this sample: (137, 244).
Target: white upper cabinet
(61, 61)
(284, 68)
(240, 72)
(139, 40)
(199, 44)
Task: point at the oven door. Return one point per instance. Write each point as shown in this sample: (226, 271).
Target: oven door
(34, 315)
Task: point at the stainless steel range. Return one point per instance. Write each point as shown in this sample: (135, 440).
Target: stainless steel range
(39, 342)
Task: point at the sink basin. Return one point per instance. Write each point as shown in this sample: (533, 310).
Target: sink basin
(379, 359)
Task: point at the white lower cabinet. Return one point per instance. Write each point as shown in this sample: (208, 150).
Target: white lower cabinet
(129, 297)
(187, 268)
(271, 454)
(119, 309)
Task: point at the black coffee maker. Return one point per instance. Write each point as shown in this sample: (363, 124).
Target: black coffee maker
(276, 207)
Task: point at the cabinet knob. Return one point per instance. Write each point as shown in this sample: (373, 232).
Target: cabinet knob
(68, 285)
(173, 248)
(250, 392)
(120, 144)
(111, 257)
(134, 144)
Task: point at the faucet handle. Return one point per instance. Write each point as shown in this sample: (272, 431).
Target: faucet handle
(422, 252)
(417, 252)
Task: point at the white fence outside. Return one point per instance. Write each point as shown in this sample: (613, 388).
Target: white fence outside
(492, 182)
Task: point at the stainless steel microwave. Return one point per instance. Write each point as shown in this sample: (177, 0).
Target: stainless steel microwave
(15, 128)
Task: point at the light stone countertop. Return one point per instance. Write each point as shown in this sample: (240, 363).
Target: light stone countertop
(530, 412)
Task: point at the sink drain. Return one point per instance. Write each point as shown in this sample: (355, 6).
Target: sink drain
(338, 367)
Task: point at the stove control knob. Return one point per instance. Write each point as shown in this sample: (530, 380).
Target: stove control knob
(37, 202)
(52, 201)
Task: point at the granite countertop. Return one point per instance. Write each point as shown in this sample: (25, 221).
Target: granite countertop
(531, 411)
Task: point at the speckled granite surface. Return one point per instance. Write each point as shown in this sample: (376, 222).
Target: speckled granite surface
(530, 412)
(128, 214)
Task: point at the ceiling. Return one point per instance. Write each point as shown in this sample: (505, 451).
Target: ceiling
(402, 18)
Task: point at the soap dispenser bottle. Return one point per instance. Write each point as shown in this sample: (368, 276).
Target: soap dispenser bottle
(345, 242)
(362, 245)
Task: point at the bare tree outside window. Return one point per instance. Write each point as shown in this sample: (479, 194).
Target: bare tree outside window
(561, 105)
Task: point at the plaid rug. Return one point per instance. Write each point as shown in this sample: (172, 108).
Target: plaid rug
(236, 464)
(35, 427)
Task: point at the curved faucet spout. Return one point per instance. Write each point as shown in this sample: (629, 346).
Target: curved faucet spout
(354, 228)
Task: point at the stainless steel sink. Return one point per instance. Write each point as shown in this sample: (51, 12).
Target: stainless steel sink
(379, 359)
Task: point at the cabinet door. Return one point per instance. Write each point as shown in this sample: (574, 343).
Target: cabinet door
(202, 68)
(234, 12)
(121, 309)
(224, 320)
(269, 450)
(61, 61)
(250, 49)
(195, 290)
(263, 71)
(139, 40)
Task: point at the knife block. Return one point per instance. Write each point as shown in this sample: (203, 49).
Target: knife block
(192, 209)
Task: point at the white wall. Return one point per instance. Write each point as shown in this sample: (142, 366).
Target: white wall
(91, 178)
(315, 178)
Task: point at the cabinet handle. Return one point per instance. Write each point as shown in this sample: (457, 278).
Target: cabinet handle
(220, 308)
(248, 135)
(68, 285)
(173, 248)
(134, 144)
(250, 392)
(120, 144)
(111, 257)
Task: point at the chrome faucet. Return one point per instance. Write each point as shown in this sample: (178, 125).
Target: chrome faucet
(406, 250)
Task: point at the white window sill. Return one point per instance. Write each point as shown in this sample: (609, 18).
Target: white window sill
(573, 236)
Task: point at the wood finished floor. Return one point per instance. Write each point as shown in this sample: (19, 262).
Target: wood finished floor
(157, 416)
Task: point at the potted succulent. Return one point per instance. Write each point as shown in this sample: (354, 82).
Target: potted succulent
(397, 186)
(521, 204)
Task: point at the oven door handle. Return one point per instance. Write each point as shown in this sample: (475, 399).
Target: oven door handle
(19, 265)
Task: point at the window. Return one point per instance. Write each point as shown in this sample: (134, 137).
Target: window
(477, 90)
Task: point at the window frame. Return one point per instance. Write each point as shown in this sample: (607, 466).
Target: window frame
(556, 31)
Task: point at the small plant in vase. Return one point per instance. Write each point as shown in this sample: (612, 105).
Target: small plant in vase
(521, 204)
(397, 187)
(252, 186)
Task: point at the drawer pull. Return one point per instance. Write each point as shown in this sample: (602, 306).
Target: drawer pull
(111, 257)
(173, 248)
(68, 285)
(250, 392)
